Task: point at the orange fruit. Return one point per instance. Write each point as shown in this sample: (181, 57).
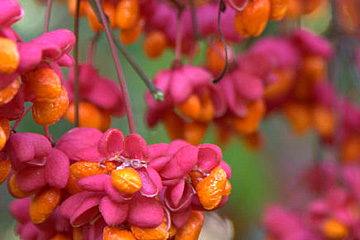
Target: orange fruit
(333, 229)
(129, 36)
(191, 230)
(127, 14)
(15, 189)
(126, 180)
(191, 108)
(278, 9)
(9, 56)
(194, 132)
(250, 123)
(158, 233)
(113, 233)
(8, 93)
(84, 169)
(5, 167)
(154, 44)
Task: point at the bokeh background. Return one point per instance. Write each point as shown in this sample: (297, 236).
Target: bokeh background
(259, 177)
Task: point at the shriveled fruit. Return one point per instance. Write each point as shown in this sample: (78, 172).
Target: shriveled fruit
(158, 233)
(154, 44)
(191, 230)
(44, 83)
(113, 233)
(8, 93)
(210, 189)
(126, 180)
(9, 56)
(252, 21)
(46, 113)
(43, 204)
(127, 13)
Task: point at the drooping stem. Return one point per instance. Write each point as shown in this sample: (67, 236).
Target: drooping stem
(156, 93)
(194, 20)
(178, 40)
(104, 21)
(222, 9)
(47, 15)
(27, 110)
(76, 67)
(91, 48)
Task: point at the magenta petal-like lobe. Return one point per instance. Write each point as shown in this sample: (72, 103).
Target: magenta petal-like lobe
(57, 168)
(87, 211)
(94, 183)
(31, 178)
(69, 206)
(180, 88)
(151, 182)
(208, 159)
(135, 147)
(113, 213)
(145, 212)
(111, 143)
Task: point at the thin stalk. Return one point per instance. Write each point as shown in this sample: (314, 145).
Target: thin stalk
(46, 132)
(76, 57)
(47, 15)
(27, 110)
(178, 43)
(104, 21)
(91, 48)
(222, 9)
(156, 93)
(194, 20)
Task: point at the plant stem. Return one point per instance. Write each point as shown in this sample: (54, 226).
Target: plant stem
(91, 48)
(47, 15)
(114, 54)
(27, 110)
(177, 60)
(76, 67)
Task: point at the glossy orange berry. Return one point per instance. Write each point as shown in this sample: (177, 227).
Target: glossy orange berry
(5, 166)
(126, 180)
(299, 116)
(351, 149)
(4, 132)
(113, 233)
(227, 188)
(210, 189)
(89, 116)
(191, 108)
(252, 21)
(71, 185)
(44, 82)
(48, 112)
(207, 108)
(191, 230)
(294, 9)
(215, 57)
(15, 190)
(278, 9)
(93, 22)
(60, 236)
(323, 121)
(158, 233)
(127, 14)
(8, 93)
(250, 123)
(310, 6)
(77, 233)
(9, 56)
(194, 132)
(129, 36)
(154, 44)
(172, 231)
(333, 229)
(84, 169)
(110, 11)
(43, 204)
(314, 68)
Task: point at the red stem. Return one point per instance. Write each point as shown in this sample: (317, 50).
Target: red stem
(27, 110)
(91, 48)
(76, 67)
(47, 15)
(178, 39)
(130, 115)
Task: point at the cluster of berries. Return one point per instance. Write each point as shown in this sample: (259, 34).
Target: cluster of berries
(94, 185)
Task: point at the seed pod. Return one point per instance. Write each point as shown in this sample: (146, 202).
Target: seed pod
(83, 169)
(333, 229)
(46, 113)
(43, 204)
(127, 14)
(126, 180)
(8, 93)
(210, 189)
(113, 233)
(252, 21)
(44, 83)
(129, 36)
(15, 190)
(158, 233)
(278, 9)
(250, 123)
(191, 230)
(5, 166)
(89, 116)
(191, 108)
(9, 56)
(154, 44)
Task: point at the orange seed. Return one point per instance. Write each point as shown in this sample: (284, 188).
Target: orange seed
(126, 180)
(9, 56)
(113, 233)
